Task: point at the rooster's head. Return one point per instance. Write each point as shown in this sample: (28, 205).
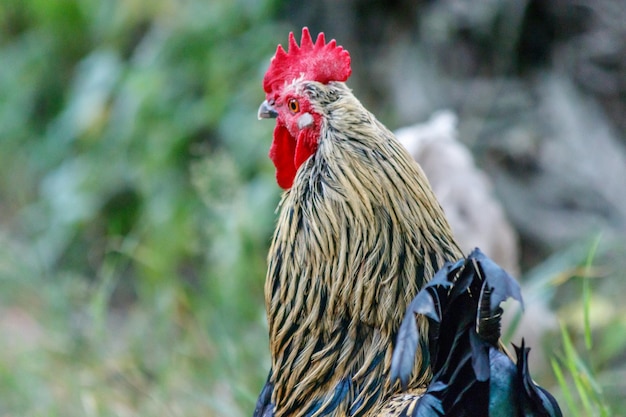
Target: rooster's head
(292, 84)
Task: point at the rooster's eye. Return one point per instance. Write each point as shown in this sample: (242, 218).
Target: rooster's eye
(294, 106)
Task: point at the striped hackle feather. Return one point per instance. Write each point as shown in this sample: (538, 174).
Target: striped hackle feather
(359, 233)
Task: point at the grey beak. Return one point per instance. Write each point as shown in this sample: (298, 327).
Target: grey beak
(266, 111)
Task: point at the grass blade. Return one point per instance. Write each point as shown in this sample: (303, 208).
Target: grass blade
(569, 400)
(587, 292)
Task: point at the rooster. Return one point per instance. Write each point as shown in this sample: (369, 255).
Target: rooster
(359, 233)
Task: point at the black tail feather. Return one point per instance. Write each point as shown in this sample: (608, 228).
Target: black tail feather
(264, 406)
(470, 375)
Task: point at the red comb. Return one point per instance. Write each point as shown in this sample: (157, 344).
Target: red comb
(322, 62)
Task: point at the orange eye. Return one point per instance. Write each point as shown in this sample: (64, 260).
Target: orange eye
(294, 106)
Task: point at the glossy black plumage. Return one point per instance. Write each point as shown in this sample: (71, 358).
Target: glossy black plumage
(471, 376)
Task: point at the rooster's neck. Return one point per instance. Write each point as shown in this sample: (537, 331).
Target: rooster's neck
(359, 232)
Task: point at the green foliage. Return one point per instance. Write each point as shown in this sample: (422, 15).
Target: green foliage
(585, 353)
(577, 368)
(591, 399)
(137, 206)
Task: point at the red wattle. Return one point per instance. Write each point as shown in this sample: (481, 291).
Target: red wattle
(282, 153)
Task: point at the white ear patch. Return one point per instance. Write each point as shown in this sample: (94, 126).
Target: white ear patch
(305, 120)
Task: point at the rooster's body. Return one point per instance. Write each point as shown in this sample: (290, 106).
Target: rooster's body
(359, 234)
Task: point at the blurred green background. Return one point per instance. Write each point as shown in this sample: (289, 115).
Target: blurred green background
(137, 203)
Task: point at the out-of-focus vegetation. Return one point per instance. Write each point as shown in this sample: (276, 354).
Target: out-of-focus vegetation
(136, 207)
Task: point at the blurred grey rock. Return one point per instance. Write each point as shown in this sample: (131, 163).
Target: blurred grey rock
(464, 191)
